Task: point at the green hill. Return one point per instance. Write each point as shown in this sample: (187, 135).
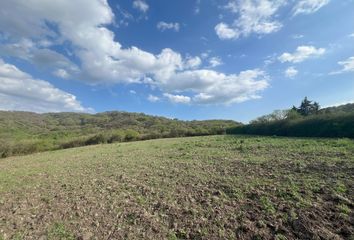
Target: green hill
(26, 132)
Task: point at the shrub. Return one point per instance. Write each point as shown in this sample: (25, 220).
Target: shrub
(131, 135)
(117, 136)
(97, 139)
(78, 142)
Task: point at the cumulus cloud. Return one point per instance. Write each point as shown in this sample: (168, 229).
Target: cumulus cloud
(211, 87)
(193, 62)
(215, 61)
(61, 73)
(291, 72)
(19, 91)
(253, 16)
(102, 60)
(153, 98)
(302, 53)
(308, 6)
(177, 98)
(225, 32)
(162, 26)
(347, 66)
(34, 53)
(141, 5)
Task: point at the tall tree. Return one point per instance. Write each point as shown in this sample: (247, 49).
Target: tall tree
(307, 107)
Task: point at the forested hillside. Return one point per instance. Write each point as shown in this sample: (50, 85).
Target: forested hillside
(305, 121)
(26, 132)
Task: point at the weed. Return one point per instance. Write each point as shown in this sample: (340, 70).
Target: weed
(267, 205)
(18, 236)
(172, 236)
(341, 188)
(59, 232)
(280, 237)
(344, 209)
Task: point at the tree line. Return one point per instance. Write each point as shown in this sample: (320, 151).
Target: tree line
(306, 120)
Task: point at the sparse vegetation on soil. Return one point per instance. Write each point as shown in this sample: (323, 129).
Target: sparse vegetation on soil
(215, 187)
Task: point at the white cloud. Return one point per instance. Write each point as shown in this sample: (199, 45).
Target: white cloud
(351, 35)
(204, 55)
(347, 66)
(253, 16)
(19, 91)
(153, 98)
(177, 98)
(193, 62)
(132, 92)
(291, 72)
(260, 16)
(215, 61)
(141, 5)
(124, 17)
(211, 87)
(34, 53)
(308, 6)
(197, 7)
(225, 32)
(302, 53)
(297, 36)
(162, 26)
(102, 60)
(62, 73)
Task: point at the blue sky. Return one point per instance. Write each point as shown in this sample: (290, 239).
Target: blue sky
(186, 59)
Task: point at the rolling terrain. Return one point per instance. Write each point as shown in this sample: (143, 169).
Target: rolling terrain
(27, 132)
(211, 187)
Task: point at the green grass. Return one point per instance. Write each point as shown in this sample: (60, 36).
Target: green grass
(211, 187)
(59, 232)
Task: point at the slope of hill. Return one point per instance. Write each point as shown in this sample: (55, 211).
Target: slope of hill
(211, 187)
(26, 132)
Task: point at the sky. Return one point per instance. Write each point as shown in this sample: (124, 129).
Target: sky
(185, 59)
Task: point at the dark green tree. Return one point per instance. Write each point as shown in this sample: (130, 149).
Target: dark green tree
(307, 107)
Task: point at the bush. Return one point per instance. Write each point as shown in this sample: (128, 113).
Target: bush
(21, 148)
(117, 136)
(97, 139)
(78, 142)
(131, 135)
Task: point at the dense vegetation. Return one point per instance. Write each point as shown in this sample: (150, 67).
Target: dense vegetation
(210, 187)
(307, 120)
(26, 132)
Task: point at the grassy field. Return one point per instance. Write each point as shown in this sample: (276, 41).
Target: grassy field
(216, 187)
